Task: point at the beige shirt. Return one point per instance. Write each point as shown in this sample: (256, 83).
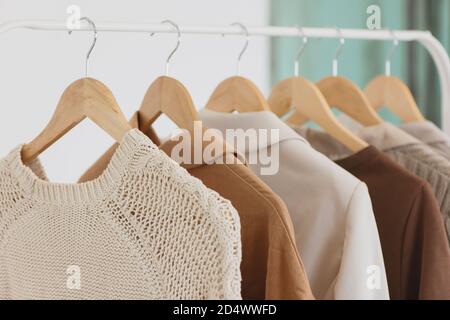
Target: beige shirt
(331, 210)
(430, 134)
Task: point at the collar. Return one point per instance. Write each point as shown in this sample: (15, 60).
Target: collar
(425, 131)
(262, 120)
(385, 136)
(134, 150)
(336, 151)
(363, 157)
(324, 142)
(195, 140)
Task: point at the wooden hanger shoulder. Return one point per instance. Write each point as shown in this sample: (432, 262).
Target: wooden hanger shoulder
(281, 96)
(169, 96)
(394, 94)
(300, 93)
(310, 104)
(349, 98)
(237, 94)
(83, 98)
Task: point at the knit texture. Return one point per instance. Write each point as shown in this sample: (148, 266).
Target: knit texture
(431, 167)
(428, 133)
(415, 156)
(144, 229)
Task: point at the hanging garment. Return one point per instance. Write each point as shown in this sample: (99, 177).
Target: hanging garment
(144, 229)
(413, 155)
(334, 225)
(271, 267)
(428, 133)
(412, 233)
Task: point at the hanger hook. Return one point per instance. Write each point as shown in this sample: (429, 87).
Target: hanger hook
(338, 52)
(173, 24)
(387, 64)
(300, 51)
(245, 31)
(94, 28)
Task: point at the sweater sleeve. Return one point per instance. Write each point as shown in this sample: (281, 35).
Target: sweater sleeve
(3, 279)
(362, 274)
(426, 254)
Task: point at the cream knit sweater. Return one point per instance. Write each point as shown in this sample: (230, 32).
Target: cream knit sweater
(144, 229)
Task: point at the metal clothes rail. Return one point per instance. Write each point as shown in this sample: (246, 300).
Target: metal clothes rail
(431, 44)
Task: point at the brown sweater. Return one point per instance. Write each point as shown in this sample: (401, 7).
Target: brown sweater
(271, 267)
(412, 234)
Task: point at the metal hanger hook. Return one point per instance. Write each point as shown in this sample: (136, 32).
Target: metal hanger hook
(338, 52)
(300, 51)
(94, 28)
(173, 24)
(387, 64)
(245, 31)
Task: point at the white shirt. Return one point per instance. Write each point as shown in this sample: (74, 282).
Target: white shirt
(331, 210)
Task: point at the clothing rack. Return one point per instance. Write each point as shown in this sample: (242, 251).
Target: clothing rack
(431, 44)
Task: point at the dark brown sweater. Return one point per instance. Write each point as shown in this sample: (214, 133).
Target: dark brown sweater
(411, 229)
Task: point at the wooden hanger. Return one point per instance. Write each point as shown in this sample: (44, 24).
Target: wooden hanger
(309, 104)
(344, 95)
(237, 93)
(393, 93)
(168, 95)
(83, 98)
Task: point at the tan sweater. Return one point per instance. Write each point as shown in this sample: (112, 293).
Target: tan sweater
(144, 229)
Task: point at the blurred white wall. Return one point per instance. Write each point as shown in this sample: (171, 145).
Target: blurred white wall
(36, 66)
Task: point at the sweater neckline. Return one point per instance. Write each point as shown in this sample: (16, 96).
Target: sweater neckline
(33, 181)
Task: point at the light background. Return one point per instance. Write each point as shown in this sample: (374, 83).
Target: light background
(361, 60)
(36, 66)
